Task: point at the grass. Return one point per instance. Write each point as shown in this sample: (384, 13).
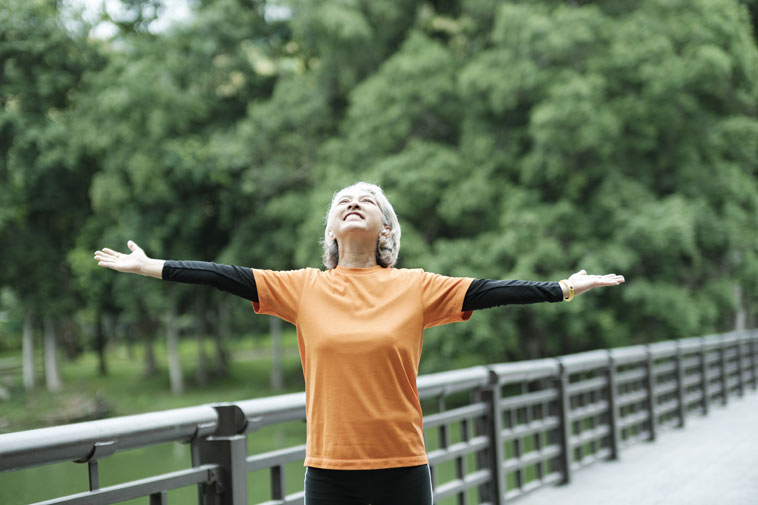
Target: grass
(127, 390)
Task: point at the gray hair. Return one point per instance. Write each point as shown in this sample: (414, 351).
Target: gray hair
(387, 245)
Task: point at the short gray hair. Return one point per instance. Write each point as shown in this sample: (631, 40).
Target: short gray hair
(387, 246)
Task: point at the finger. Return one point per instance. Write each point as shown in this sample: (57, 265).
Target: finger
(612, 276)
(611, 281)
(132, 245)
(110, 252)
(99, 256)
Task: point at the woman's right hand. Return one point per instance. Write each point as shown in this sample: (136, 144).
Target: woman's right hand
(137, 262)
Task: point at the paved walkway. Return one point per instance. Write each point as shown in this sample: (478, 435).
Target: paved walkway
(712, 461)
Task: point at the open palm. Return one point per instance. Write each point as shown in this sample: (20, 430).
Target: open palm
(121, 262)
(583, 282)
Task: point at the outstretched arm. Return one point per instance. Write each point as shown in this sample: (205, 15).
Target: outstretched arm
(233, 279)
(484, 293)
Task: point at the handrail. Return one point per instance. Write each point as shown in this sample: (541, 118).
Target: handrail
(631, 354)
(95, 439)
(261, 412)
(443, 383)
(507, 373)
(574, 409)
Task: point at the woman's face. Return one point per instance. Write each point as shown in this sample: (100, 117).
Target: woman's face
(355, 211)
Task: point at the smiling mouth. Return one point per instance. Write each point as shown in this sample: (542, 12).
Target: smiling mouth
(352, 214)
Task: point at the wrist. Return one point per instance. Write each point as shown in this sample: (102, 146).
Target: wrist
(151, 268)
(568, 290)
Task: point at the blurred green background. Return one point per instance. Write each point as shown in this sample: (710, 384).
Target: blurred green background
(520, 139)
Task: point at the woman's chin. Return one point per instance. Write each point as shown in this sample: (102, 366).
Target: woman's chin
(353, 228)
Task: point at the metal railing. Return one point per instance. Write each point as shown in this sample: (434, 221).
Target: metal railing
(505, 429)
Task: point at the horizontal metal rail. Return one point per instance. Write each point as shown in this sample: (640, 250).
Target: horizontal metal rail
(503, 430)
(96, 439)
(150, 486)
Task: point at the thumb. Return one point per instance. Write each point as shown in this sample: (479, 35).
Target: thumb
(132, 246)
(581, 272)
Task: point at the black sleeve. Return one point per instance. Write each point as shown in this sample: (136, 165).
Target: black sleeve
(485, 293)
(230, 278)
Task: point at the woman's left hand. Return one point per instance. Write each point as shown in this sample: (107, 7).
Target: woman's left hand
(583, 282)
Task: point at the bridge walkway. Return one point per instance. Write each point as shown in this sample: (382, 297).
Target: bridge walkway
(713, 461)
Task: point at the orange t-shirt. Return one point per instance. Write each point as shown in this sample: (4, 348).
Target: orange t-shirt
(360, 331)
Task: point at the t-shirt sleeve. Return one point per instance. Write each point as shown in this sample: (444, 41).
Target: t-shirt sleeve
(279, 292)
(442, 299)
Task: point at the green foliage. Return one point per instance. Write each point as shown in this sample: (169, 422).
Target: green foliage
(43, 200)
(515, 140)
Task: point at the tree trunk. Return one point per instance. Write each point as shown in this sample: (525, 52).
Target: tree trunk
(222, 331)
(147, 329)
(102, 367)
(740, 317)
(28, 353)
(52, 372)
(201, 372)
(129, 334)
(276, 347)
(172, 348)
(68, 338)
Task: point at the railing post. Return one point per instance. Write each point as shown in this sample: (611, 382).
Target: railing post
(651, 398)
(100, 450)
(681, 391)
(613, 409)
(565, 418)
(704, 377)
(159, 498)
(94, 475)
(494, 458)
(740, 369)
(228, 449)
(723, 343)
(751, 339)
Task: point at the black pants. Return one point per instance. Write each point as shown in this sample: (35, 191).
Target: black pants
(410, 485)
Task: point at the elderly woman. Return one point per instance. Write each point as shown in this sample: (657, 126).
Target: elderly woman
(360, 325)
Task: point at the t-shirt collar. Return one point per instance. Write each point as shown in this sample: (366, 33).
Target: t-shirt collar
(358, 271)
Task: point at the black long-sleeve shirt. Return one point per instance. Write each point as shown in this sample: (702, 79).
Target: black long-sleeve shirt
(481, 294)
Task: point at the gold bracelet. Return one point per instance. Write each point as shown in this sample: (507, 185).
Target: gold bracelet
(570, 288)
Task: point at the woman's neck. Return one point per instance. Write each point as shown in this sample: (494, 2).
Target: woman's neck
(357, 253)
(357, 260)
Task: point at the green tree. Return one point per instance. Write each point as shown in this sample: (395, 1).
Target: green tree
(558, 137)
(159, 118)
(516, 140)
(43, 183)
